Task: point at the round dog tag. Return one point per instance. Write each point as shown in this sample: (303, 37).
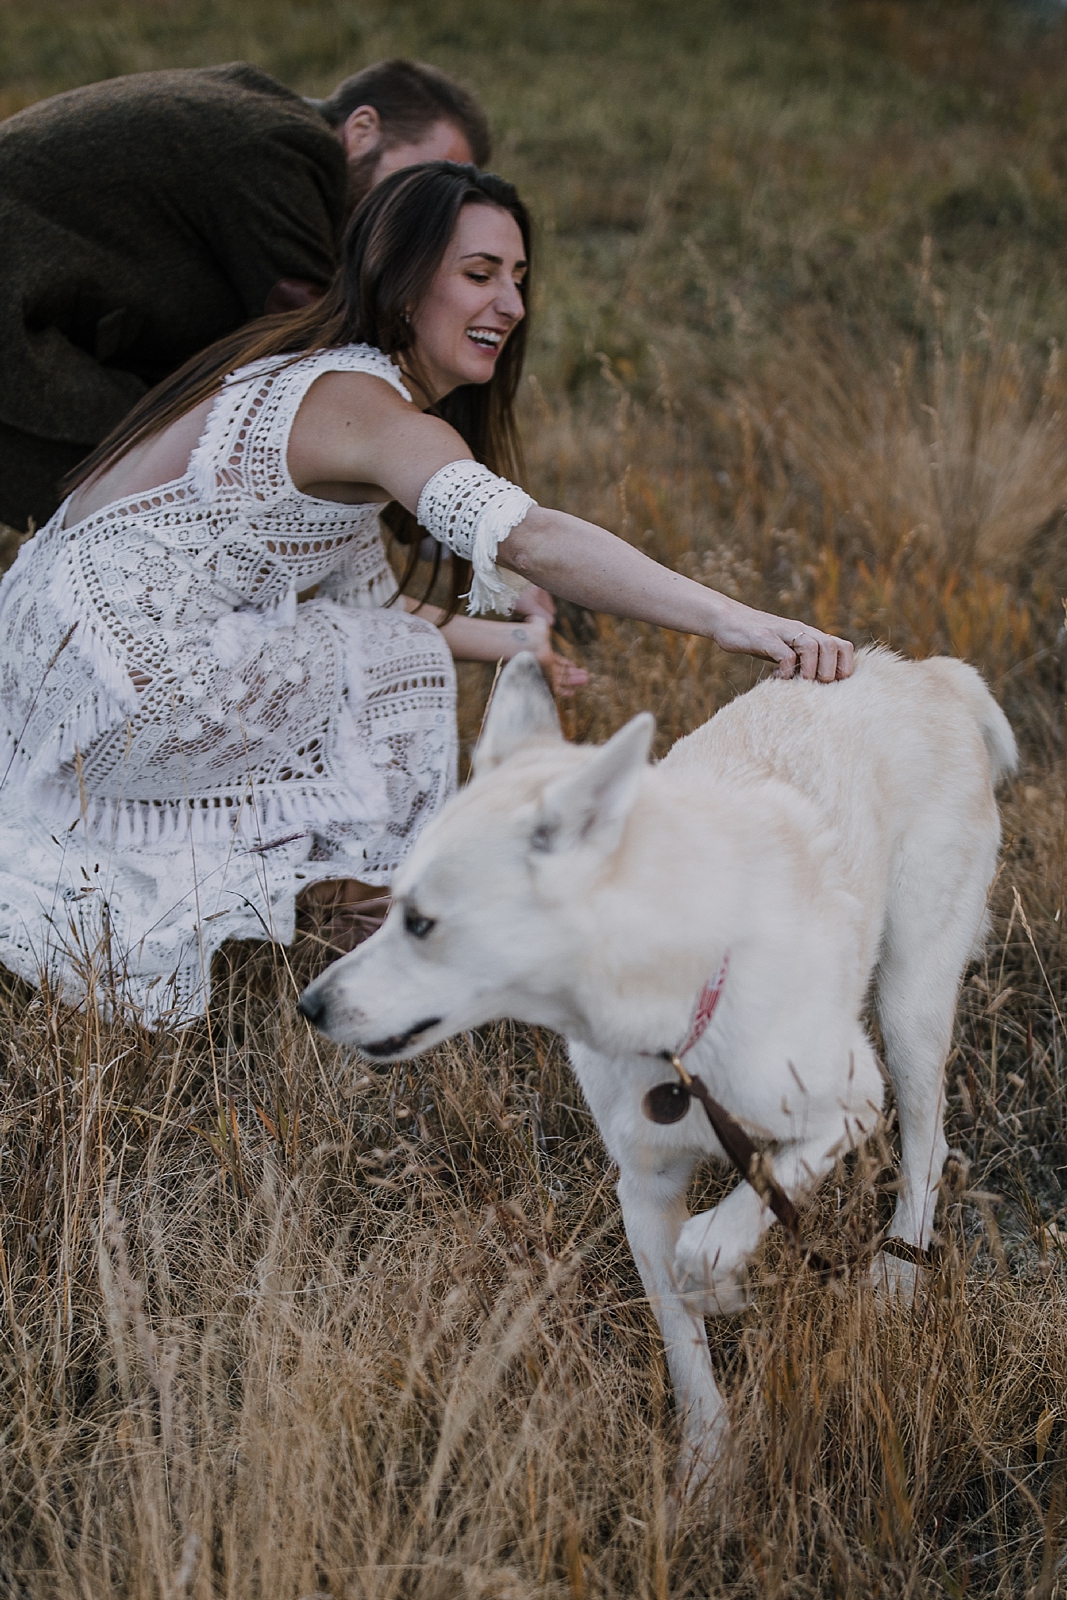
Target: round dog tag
(667, 1102)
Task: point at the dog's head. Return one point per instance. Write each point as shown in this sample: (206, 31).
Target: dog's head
(489, 914)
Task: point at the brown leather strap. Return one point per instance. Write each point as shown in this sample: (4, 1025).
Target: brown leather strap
(755, 1169)
(911, 1252)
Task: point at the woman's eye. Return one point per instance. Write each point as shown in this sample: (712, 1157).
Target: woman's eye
(478, 277)
(417, 926)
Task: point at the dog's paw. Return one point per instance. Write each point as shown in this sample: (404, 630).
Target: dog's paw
(712, 1282)
(705, 1479)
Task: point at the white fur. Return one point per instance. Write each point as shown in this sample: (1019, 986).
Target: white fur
(822, 835)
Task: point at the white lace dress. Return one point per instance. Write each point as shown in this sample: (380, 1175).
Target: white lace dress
(184, 744)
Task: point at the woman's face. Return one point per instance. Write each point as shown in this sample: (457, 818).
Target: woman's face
(472, 304)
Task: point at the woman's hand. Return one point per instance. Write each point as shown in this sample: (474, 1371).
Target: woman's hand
(477, 639)
(534, 633)
(537, 610)
(800, 650)
(564, 675)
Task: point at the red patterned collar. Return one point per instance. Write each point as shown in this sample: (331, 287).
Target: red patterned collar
(707, 1000)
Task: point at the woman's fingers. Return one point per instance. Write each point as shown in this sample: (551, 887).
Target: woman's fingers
(824, 657)
(566, 676)
(811, 654)
(846, 658)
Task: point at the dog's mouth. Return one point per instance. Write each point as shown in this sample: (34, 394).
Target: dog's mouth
(398, 1041)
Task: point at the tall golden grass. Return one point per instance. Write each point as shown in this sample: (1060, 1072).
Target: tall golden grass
(273, 1326)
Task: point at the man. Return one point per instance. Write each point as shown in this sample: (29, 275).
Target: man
(146, 216)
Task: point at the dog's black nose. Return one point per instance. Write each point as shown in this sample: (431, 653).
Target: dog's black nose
(312, 1006)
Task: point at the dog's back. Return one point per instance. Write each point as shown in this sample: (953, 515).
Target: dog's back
(889, 710)
(902, 747)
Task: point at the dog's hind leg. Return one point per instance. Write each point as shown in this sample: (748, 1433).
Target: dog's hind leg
(918, 980)
(654, 1210)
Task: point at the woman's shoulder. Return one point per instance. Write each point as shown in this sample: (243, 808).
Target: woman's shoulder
(301, 370)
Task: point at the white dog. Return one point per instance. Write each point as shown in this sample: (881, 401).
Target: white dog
(730, 905)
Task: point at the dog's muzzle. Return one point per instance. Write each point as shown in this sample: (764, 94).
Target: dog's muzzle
(399, 1041)
(314, 1004)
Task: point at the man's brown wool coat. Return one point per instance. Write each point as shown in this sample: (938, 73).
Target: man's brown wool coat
(141, 219)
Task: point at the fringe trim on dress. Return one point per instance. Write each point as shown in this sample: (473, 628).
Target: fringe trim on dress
(255, 819)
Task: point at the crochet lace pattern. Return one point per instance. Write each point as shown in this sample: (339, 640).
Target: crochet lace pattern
(183, 745)
(472, 510)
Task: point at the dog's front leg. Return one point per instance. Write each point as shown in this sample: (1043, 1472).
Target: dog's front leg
(654, 1211)
(711, 1256)
(713, 1250)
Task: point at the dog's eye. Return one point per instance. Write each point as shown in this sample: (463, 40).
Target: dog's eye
(417, 926)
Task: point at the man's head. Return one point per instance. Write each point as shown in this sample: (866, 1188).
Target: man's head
(400, 113)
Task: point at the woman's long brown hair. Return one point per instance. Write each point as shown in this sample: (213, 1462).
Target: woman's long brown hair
(392, 248)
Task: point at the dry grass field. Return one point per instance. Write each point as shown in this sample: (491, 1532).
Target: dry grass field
(273, 1328)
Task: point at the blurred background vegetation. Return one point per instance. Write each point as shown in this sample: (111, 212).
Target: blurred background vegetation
(801, 290)
(801, 269)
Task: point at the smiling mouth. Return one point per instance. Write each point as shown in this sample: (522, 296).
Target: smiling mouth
(399, 1041)
(485, 338)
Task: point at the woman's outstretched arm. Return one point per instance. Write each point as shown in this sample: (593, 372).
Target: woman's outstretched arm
(354, 429)
(581, 561)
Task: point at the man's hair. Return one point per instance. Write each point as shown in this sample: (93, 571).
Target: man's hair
(409, 98)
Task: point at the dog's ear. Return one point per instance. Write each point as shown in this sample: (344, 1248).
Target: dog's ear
(591, 805)
(522, 711)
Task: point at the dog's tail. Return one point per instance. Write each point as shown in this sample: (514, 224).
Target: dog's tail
(993, 725)
(999, 740)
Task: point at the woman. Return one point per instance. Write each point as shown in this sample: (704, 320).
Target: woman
(209, 704)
